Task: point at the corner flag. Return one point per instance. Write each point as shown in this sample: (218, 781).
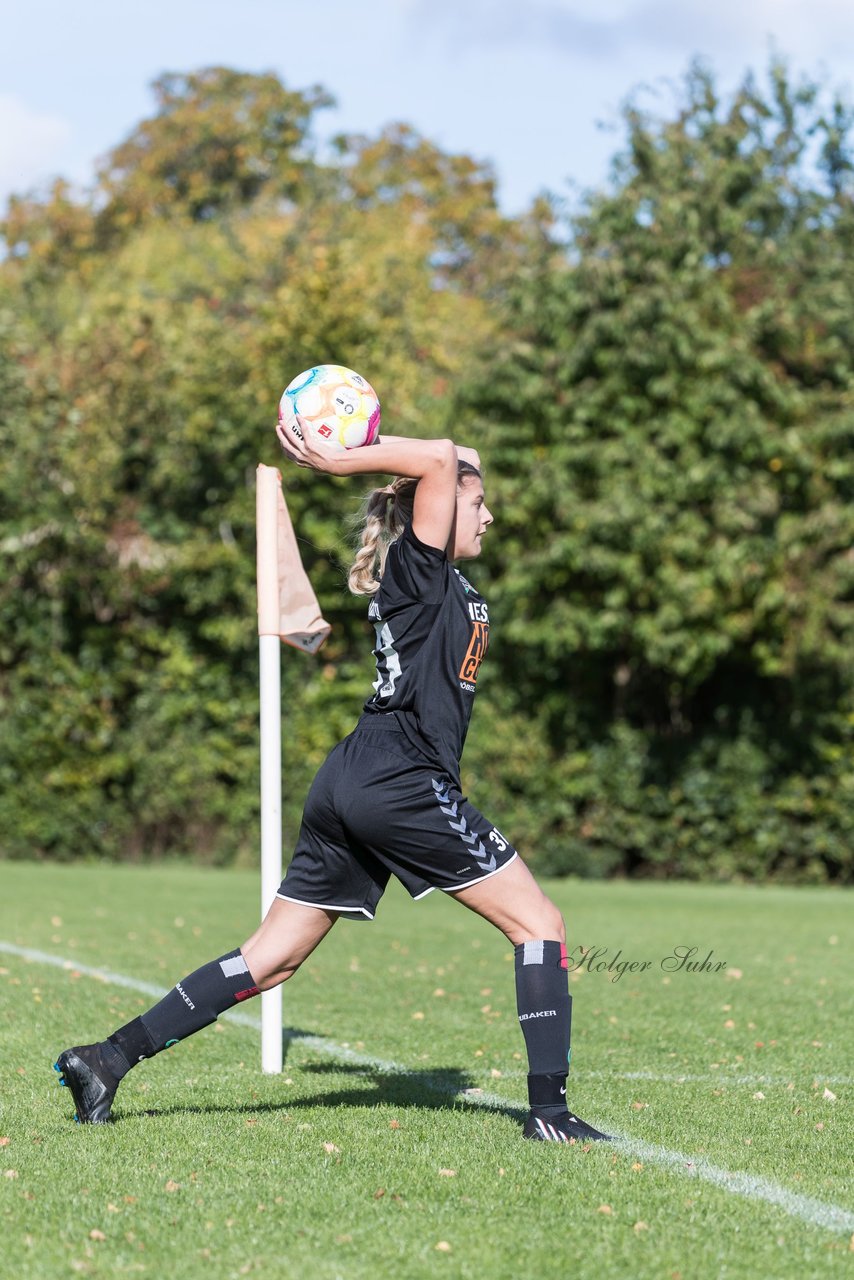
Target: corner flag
(287, 605)
(287, 610)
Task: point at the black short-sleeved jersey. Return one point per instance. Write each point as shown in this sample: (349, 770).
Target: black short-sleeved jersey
(432, 633)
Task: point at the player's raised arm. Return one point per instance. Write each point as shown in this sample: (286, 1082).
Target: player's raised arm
(433, 463)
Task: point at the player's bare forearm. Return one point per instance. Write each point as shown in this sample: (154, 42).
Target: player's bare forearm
(401, 456)
(463, 452)
(397, 456)
(389, 455)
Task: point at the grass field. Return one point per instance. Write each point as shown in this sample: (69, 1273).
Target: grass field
(731, 1089)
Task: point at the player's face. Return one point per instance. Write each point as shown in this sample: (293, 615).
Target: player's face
(473, 519)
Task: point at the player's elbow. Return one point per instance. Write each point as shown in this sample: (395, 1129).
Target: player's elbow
(444, 455)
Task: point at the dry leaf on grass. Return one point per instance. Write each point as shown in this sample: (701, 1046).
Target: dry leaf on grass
(605, 1208)
(95, 1234)
(172, 1186)
(330, 1148)
(829, 1095)
(443, 1246)
(447, 1173)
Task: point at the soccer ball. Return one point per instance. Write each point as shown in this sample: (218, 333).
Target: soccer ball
(337, 404)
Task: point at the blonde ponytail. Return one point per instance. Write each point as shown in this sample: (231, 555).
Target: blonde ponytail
(387, 512)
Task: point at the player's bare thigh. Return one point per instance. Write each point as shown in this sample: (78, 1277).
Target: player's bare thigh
(514, 902)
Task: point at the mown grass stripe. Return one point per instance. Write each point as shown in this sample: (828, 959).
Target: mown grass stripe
(816, 1213)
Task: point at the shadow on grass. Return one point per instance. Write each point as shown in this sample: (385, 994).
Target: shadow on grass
(436, 1089)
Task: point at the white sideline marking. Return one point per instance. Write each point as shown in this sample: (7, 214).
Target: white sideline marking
(719, 1077)
(106, 975)
(753, 1186)
(817, 1213)
(713, 1077)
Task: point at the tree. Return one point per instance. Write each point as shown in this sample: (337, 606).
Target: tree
(152, 362)
(672, 443)
(451, 197)
(54, 233)
(220, 138)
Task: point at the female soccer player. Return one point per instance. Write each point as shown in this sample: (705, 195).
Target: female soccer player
(388, 799)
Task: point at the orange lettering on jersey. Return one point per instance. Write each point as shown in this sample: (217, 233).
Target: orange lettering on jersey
(476, 651)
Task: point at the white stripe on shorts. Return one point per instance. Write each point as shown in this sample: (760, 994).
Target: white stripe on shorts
(454, 888)
(326, 906)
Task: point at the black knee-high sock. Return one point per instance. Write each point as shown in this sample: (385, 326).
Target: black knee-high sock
(545, 1016)
(193, 1003)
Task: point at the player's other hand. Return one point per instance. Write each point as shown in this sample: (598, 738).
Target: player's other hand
(468, 455)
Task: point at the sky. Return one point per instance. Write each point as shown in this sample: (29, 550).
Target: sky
(533, 86)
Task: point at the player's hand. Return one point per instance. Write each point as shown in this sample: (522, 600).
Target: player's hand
(307, 449)
(468, 455)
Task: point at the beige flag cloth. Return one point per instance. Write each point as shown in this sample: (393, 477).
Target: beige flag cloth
(287, 605)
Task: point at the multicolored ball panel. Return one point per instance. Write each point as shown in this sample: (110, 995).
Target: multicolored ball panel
(335, 402)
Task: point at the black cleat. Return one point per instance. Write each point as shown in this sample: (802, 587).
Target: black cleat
(561, 1128)
(93, 1086)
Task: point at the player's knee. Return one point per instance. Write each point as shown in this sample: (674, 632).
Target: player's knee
(541, 921)
(275, 975)
(270, 969)
(554, 923)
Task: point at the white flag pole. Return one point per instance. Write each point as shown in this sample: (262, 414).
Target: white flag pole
(271, 831)
(269, 647)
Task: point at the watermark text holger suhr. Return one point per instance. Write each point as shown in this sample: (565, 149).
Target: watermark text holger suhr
(681, 959)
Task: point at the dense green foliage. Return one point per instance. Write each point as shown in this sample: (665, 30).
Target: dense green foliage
(690, 383)
(662, 388)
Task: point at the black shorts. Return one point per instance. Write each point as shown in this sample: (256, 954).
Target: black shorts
(377, 808)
